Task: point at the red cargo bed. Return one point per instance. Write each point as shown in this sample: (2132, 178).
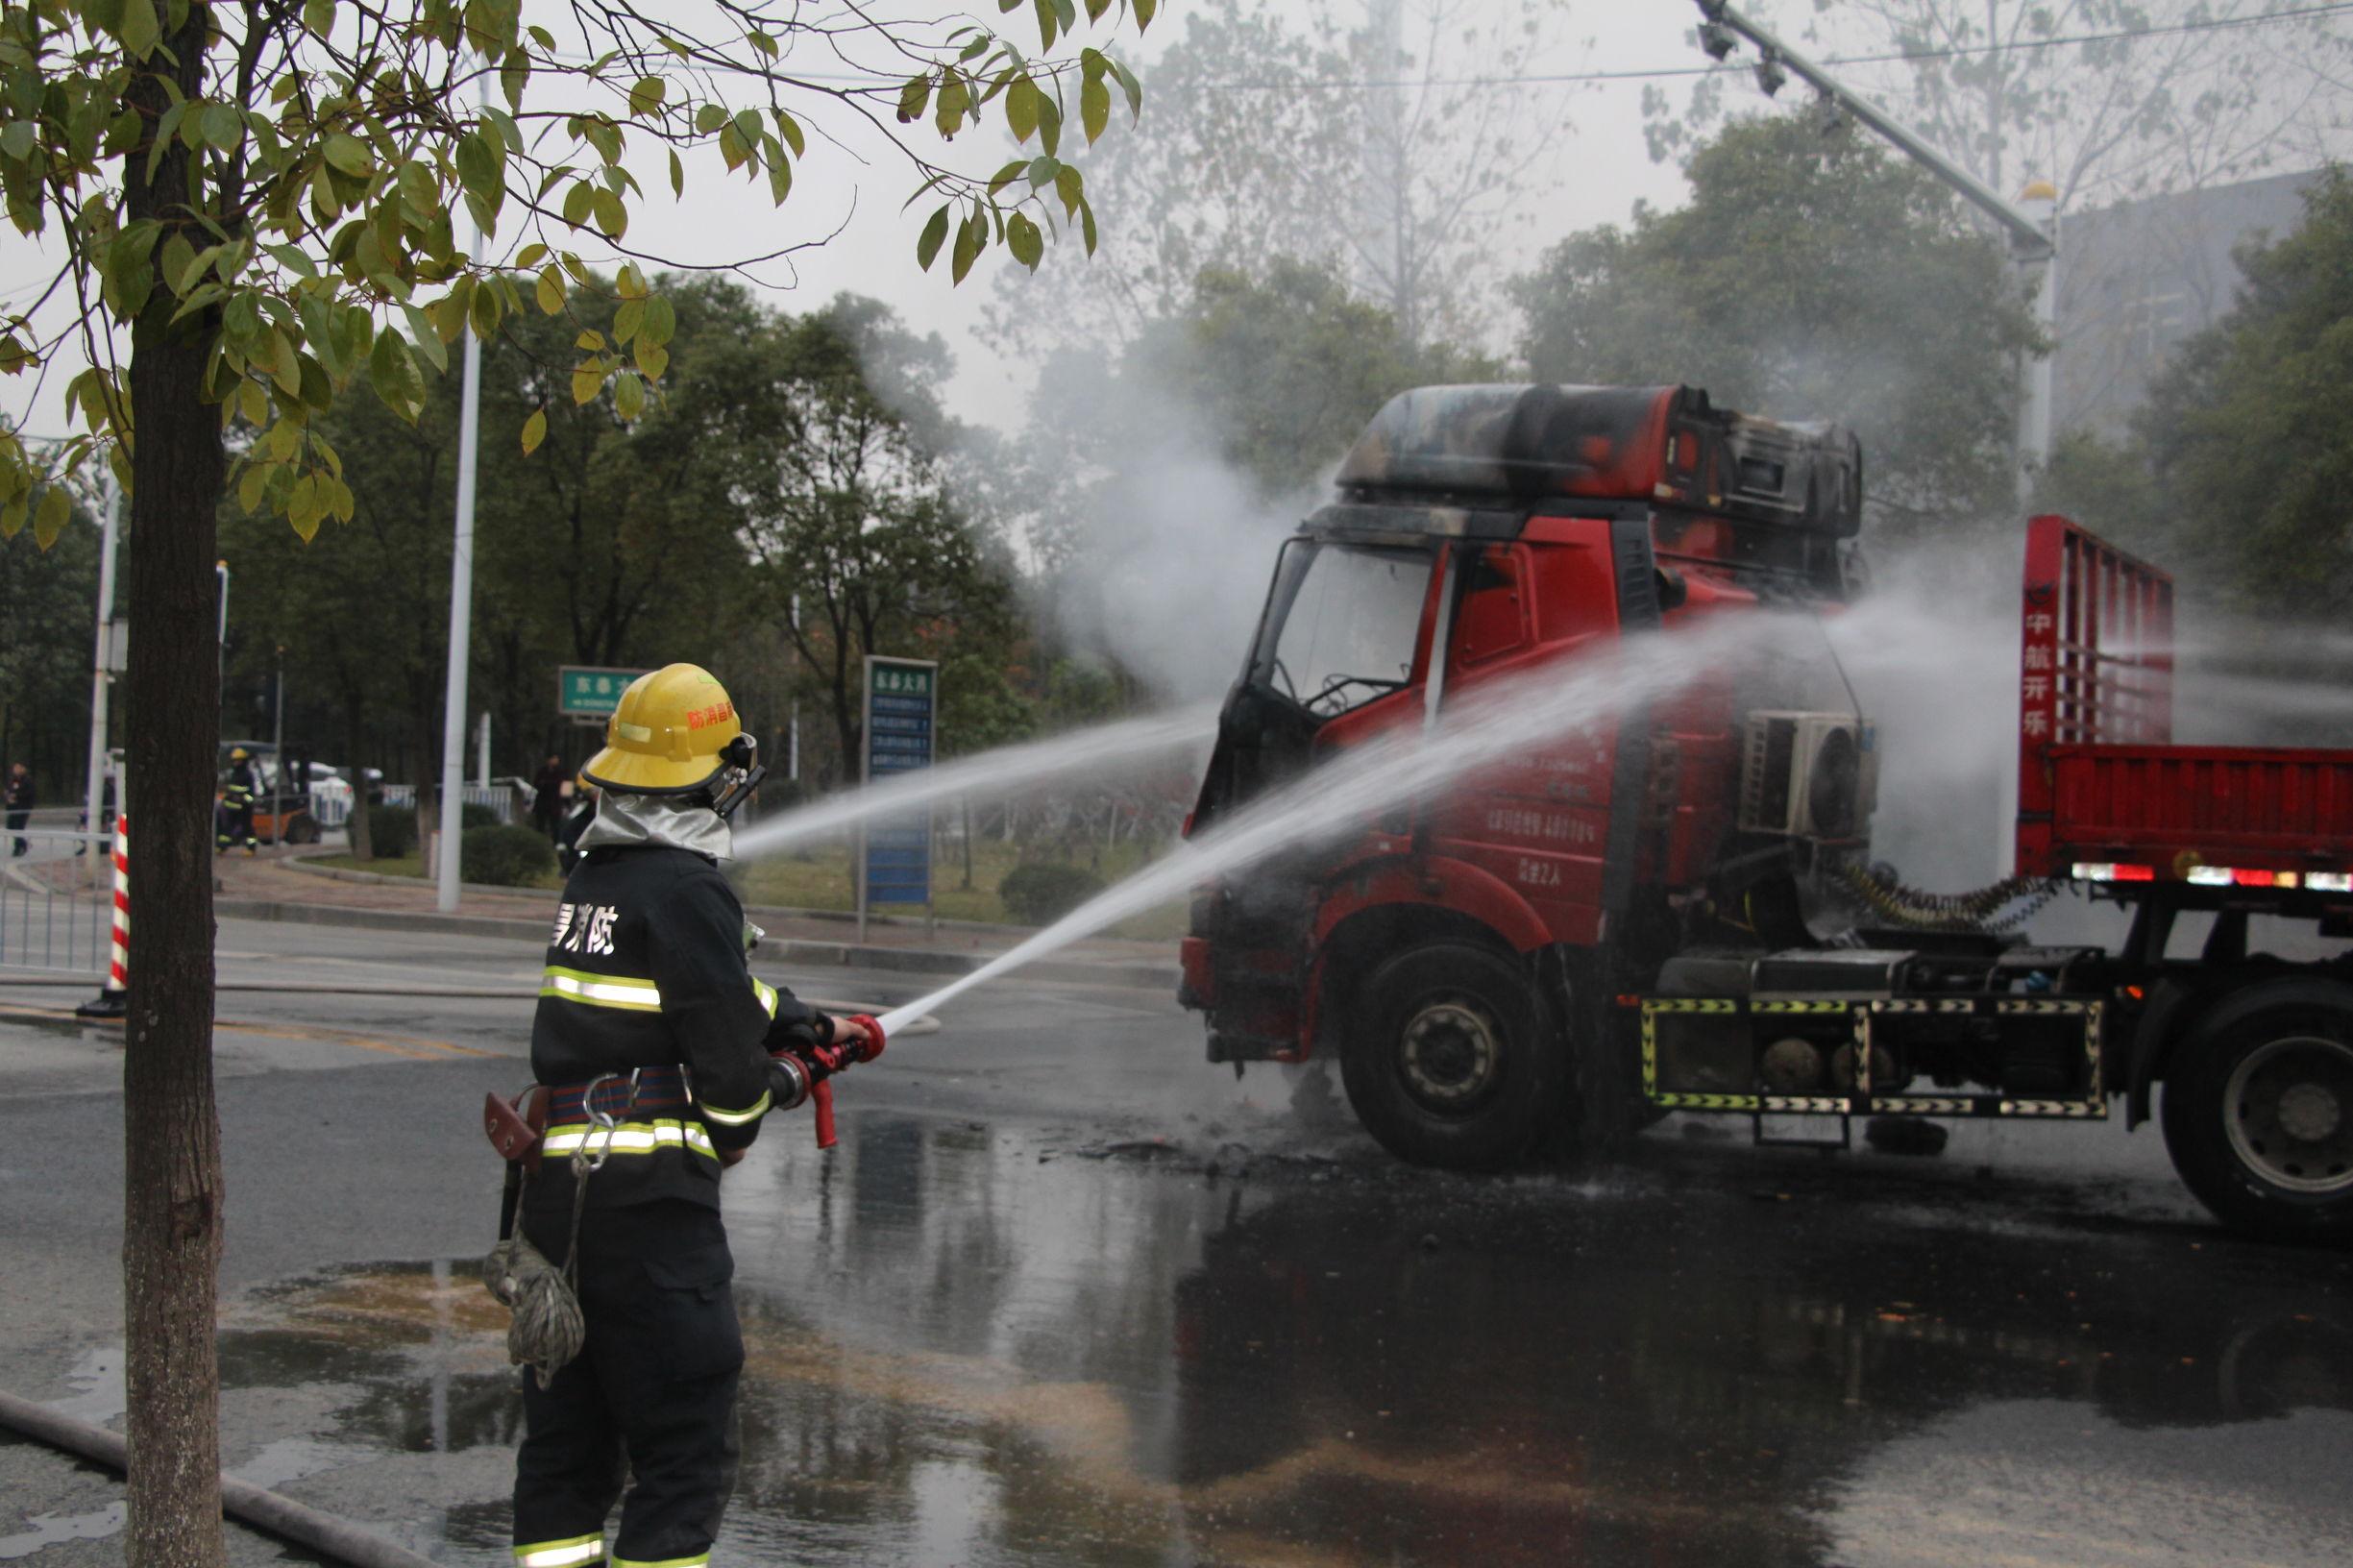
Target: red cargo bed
(2102, 795)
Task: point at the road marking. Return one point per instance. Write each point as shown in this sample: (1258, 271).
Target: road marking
(414, 1046)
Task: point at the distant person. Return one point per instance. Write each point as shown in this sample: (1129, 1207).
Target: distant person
(568, 833)
(236, 808)
(548, 797)
(19, 803)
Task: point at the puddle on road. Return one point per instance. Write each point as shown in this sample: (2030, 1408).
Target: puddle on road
(961, 1351)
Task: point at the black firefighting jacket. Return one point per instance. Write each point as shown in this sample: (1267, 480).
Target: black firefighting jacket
(647, 970)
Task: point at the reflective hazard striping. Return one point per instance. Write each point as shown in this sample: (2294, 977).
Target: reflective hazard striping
(632, 1137)
(696, 1561)
(2074, 1109)
(560, 1554)
(1706, 1102)
(766, 995)
(737, 1118)
(601, 989)
(1804, 1006)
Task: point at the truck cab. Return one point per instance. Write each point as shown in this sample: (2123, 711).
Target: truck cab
(1481, 535)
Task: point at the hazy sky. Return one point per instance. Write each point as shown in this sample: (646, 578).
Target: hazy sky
(1601, 170)
(854, 182)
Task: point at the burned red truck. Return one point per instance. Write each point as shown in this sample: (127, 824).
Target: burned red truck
(1629, 919)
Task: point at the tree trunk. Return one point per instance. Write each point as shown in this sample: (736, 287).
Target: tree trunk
(171, 1130)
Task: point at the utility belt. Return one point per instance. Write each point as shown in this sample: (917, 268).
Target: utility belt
(609, 1115)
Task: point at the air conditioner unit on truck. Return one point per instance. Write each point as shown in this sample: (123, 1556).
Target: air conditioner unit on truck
(1615, 927)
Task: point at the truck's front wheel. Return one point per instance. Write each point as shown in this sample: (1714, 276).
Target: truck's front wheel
(1449, 1058)
(2259, 1110)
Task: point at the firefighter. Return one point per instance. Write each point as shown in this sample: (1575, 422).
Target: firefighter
(237, 810)
(662, 1054)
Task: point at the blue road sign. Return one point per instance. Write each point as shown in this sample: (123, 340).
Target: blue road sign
(901, 715)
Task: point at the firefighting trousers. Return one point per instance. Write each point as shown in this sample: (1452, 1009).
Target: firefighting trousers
(651, 1394)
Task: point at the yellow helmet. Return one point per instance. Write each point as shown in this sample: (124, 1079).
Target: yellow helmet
(237, 753)
(666, 734)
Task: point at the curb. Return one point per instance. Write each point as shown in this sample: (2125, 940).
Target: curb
(840, 955)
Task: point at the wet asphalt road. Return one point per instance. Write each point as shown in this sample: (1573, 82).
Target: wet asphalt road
(1067, 1296)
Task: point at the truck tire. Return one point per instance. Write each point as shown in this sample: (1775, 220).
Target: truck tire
(2258, 1110)
(303, 829)
(1451, 1059)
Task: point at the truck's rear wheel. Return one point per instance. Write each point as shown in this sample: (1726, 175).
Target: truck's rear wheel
(2259, 1110)
(1449, 1058)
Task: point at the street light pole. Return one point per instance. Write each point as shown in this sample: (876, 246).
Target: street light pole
(461, 614)
(102, 664)
(2033, 235)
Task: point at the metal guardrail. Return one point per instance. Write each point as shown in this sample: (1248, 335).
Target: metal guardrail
(56, 903)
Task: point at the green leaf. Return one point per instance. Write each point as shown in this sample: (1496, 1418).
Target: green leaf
(430, 338)
(303, 506)
(481, 171)
(934, 231)
(589, 342)
(347, 153)
(1071, 186)
(17, 139)
(483, 313)
(1049, 125)
(139, 32)
(660, 324)
(49, 519)
(912, 98)
(677, 174)
(178, 260)
(779, 181)
(1007, 175)
(534, 430)
(1129, 86)
(222, 127)
(627, 319)
(251, 483)
(645, 94)
(550, 290)
(709, 118)
(1023, 239)
(651, 357)
(969, 238)
(1086, 218)
(396, 377)
(12, 517)
(1094, 106)
(253, 403)
(629, 283)
(790, 129)
(612, 219)
(587, 380)
(1022, 108)
(629, 394)
(319, 15)
(579, 202)
(1143, 13)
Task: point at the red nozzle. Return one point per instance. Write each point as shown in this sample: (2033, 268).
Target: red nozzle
(871, 1046)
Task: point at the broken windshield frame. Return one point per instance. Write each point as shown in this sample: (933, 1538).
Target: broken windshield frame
(1341, 625)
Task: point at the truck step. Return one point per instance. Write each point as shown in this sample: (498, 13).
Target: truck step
(1763, 1137)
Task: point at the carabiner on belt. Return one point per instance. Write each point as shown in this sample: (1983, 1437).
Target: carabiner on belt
(584, 1163)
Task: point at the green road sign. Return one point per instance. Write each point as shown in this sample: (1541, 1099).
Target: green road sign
(584, 692)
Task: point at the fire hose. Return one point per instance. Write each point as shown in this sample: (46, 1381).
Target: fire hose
(1973, 911)
(333, 1539)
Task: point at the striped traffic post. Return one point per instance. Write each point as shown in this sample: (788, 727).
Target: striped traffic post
(114, 1001)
